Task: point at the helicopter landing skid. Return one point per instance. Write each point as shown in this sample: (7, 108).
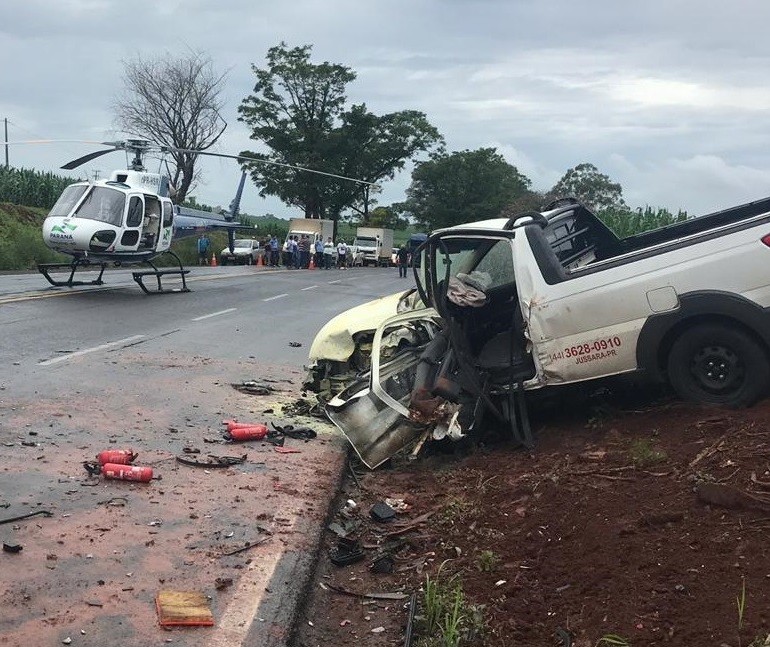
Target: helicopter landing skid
(159, 274)
(46, 268)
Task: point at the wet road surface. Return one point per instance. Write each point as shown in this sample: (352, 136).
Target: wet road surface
(86, 370)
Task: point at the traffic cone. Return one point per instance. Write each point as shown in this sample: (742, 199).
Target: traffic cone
(312, 262)
(213, 260)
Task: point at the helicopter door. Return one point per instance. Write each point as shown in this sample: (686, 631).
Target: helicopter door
(167, 225)
(129, 240)
(150, 223)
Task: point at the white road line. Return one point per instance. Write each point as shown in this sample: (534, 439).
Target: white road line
(310, 287)
(337, 281)
(233, 626)
(277, 296)
(85, 351)
(214, 314)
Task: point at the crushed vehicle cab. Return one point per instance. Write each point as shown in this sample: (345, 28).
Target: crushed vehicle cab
(555, 297)
(245, 251)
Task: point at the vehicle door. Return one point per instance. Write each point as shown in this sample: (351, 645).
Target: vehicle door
(134, 218)
(167, 226)
(583, 325)
(472, 283)
(373, 413)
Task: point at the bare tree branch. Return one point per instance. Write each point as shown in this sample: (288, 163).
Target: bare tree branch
(174, 102)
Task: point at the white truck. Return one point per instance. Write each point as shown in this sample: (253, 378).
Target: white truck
(553, 298)
(313, 227)
(375, 244)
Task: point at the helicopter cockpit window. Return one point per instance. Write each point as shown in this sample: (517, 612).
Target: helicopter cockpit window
(103, 204)
(68, 199)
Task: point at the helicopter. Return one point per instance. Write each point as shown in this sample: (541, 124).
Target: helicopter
(129, 218)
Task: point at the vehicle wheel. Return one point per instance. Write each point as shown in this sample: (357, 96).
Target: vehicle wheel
(248, 260)
(714, 364)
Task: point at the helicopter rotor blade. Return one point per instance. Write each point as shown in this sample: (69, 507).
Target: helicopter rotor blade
(263, 161)
(87, 158)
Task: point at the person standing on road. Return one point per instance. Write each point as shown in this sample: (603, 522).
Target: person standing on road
(203, 249)
(304, 251)
(294, 248)
(319, 253)
(342, 254)
(328, 253)
(273, 251)
(402, 258)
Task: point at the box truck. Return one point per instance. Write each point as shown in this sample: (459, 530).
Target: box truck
(312, 227)
(376, 245)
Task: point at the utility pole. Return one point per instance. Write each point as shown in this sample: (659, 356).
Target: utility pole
(5, 121)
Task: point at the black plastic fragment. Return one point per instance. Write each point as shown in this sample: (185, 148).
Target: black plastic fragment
(382, 512)
(348, 551)
(383, 564)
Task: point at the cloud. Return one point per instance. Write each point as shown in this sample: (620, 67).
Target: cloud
(669, 97)
(704, 183)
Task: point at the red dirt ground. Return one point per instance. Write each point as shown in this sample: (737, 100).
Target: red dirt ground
(605, 528)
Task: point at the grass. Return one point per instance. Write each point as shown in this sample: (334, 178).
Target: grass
(741, 603)
(643, 454)
(447, 619)
(612, 639)
(487, 561)
(455, 511)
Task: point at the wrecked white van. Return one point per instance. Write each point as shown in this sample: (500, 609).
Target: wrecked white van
(555, 298)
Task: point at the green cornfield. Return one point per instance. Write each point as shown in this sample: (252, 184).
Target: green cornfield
(31, 188)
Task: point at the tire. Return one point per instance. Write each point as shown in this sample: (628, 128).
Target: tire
(718, 365)
(248, 260)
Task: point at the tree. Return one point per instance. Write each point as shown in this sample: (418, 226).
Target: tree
(385, 217)
(529, 200)
(594, 189)
(175, 103)
(297, 110)
(465, 186)
(373, 148)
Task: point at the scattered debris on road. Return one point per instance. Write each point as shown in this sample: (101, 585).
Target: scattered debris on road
(183, 609)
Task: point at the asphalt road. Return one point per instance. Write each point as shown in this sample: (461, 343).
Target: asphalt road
(88, 369)
(230, 313)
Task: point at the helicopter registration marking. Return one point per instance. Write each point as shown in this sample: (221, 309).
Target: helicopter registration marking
(95, 349)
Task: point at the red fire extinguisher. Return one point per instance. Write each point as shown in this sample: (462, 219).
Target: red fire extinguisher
(251, 432)
(127, 472)
(119, 456)
(234, 424)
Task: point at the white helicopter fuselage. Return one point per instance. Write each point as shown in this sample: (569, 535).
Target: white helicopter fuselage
(127, 218)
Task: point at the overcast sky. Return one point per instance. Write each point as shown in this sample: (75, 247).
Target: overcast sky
(671, 98)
